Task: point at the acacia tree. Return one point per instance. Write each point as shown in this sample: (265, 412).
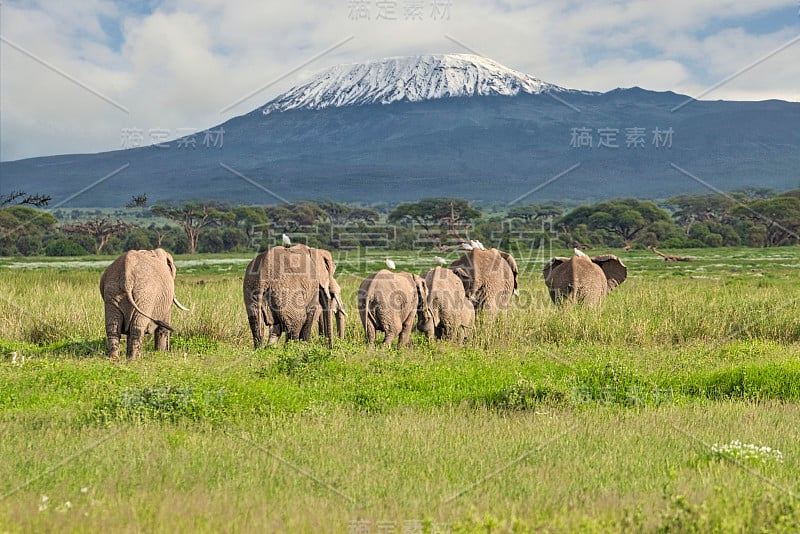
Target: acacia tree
(101, 229)
(21, 197)
(22, 229)
(625, 217)
(344, 214)
(430, 212)
(780, 215)
(533, 212)
(137, 201)
(194, 218)
(250, 219)
(447, 214)
(706, 207)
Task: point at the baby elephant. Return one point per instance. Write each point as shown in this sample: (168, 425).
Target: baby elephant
(451, 311)
(138, 289)
(583, 279)
(388, 301)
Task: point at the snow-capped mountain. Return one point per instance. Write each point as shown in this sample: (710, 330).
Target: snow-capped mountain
(409, 79)
(507, 138)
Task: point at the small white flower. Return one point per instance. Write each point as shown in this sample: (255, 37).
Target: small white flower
(84, 490)
(745, 452)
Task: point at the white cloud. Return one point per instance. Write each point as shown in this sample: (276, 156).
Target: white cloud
(179, 65)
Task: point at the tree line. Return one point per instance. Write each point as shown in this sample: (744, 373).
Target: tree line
(752, 217)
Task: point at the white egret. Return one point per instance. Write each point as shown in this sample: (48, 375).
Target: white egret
(390, 264)
(578, 252)
(286, 241)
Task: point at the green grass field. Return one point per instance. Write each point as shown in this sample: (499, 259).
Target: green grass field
(554, 420)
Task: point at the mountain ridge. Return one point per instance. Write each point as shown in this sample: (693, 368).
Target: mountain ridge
(411, 79)
(494, 147)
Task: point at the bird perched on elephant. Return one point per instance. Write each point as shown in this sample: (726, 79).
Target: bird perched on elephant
(452, 314)
(583, 279)
(138, 291)
(388, 302)
(489, 278)
(287, 290)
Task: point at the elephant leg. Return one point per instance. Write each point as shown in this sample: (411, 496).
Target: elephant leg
(369, 331)
(404, 340)
(446, 331)
(113, 330)
(256, 328)
(389, 337)
(161, 337)
(313, 318)
(136, 334)
(113, 346)
(275, 332)
(294, 334)
(134, 349)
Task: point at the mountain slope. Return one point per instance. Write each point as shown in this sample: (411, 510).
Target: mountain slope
(487, 147)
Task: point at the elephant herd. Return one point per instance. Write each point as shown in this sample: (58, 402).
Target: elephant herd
(292, 290)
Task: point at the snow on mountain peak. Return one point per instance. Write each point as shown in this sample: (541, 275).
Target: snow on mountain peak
(408, 79)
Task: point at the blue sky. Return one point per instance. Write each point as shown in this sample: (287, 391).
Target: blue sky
(75, 75)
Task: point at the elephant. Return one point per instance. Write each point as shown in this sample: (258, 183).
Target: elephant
(583, 279)
(451, 312)
(138, 290)
(388, 301)
(289, 290)
(489, 278)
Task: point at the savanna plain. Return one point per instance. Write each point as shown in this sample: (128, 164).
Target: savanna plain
(546, 419)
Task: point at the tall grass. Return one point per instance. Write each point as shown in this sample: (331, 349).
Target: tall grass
(42, 306)
(551, 419)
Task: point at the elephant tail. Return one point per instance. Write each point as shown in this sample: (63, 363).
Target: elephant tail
(162, 324)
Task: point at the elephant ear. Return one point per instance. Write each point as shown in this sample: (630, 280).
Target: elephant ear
(328, 260)
(422, 297)
(330, 268)
(551, 265)
(511, 263)
(463, 275)
(421, 285)
(614, 269)
(167, 257)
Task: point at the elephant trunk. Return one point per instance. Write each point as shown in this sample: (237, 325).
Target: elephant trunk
(340, 316)
(327, 316)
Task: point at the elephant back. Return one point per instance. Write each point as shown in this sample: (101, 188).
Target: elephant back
(489, 277)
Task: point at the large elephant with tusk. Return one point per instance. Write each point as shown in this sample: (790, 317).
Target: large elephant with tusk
(289, 290)
(138, 290)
